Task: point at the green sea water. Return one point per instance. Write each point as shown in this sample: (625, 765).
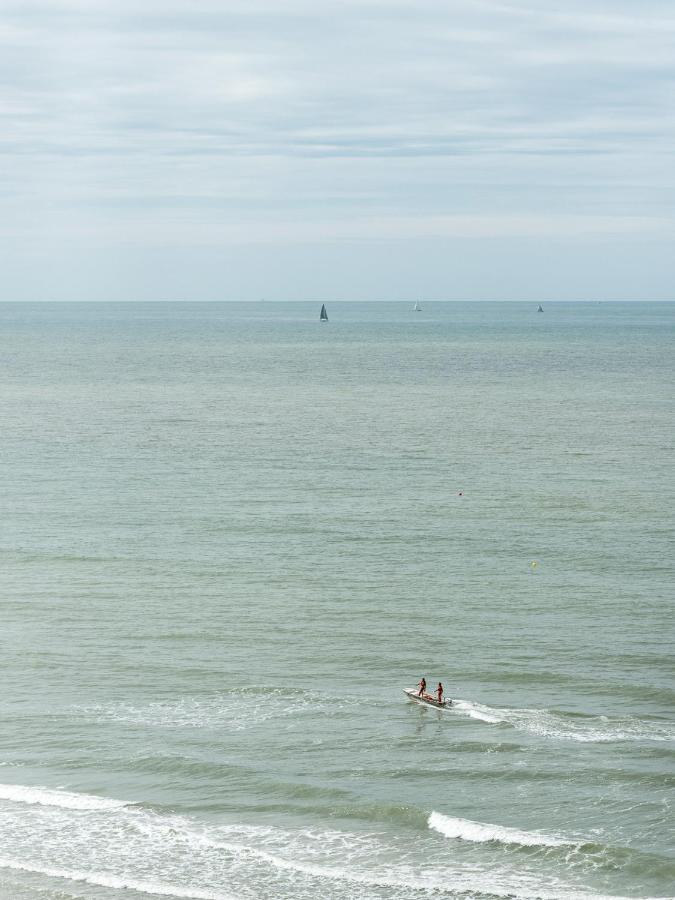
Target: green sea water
(230, 535)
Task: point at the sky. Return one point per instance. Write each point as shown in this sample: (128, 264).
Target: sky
(337, 149)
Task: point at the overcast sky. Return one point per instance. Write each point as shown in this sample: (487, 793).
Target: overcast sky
(337, 149)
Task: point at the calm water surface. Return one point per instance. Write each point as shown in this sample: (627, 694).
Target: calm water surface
(231, 535)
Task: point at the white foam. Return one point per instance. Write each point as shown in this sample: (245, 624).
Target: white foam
(428, 880)
(19, 793)
(466, 830)
(235, 710)
(104, 879)
(586, 729)
(476, 711)
(135, 849)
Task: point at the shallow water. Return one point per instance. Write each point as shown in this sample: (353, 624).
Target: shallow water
(231, 535)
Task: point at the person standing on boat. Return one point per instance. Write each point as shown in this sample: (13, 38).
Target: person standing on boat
(439, 692)
(422, 687)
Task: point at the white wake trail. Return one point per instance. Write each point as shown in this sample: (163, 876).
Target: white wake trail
(552, 724)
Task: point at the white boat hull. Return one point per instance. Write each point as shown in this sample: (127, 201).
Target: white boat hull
(427, 699)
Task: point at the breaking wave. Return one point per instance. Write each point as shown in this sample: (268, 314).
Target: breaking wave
(18, 793)
(86, 839)
(466, 830)
(103, 879)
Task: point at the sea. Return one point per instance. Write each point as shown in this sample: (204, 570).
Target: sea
(232, 535)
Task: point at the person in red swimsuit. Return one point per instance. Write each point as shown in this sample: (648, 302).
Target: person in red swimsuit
(439, 692)
(422, 687)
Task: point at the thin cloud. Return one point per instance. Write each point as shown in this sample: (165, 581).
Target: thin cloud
(406, 119)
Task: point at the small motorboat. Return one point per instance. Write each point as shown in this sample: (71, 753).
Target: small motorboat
(426, 699)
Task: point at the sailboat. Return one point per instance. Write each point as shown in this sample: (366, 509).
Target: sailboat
(540, 308)
(417, 307)
(324, 315)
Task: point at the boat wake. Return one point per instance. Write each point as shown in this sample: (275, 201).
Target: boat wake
(235, 710)
(568, 726)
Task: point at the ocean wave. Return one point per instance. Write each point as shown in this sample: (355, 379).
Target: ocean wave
(18, 793)
(466, 830)
(428, 879)
(568, 726)
(471, 889)
(130, 847)
(105, 879)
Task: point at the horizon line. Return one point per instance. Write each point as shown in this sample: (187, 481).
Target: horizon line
(346, 300)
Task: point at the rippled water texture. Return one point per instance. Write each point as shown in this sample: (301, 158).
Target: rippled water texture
(231, 536)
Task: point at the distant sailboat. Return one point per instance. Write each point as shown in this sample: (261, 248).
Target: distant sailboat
(324, 315)
(540, 308)
(417, 307)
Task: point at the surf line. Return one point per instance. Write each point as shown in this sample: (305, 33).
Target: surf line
(103, 879)
(482, 833)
